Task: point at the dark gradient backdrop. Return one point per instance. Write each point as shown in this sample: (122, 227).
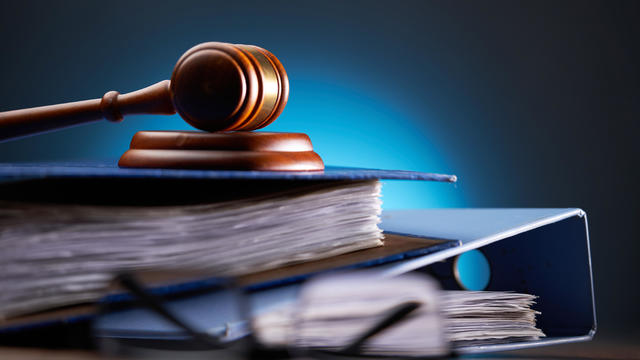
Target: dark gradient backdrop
(532, 104)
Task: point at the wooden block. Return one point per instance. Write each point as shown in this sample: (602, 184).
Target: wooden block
(260, 151)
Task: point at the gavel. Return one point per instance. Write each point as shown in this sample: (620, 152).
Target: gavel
(214, 87)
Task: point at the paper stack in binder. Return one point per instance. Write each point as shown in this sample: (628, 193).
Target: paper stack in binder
(544, 252)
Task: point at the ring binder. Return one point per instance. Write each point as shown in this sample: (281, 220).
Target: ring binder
(538, 251)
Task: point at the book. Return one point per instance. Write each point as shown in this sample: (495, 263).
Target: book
(68, 228)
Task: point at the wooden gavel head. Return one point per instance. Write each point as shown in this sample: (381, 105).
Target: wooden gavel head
(224, 87)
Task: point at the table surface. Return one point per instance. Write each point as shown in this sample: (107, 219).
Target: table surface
(598, 349)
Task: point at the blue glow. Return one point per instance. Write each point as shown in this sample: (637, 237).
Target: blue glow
(473, 270)
(349, 126)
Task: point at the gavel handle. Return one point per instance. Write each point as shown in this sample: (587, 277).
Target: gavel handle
(155, 99)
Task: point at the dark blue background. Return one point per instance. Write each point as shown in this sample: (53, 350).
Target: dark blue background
(531, 104)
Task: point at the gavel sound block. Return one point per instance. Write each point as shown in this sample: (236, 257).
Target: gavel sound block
(262, 151)
(214, 87)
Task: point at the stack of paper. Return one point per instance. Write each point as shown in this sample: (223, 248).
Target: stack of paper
(333, 311)
(489, 317)
(61, 254)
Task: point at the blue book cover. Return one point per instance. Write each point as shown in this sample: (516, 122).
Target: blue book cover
(107, 169)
